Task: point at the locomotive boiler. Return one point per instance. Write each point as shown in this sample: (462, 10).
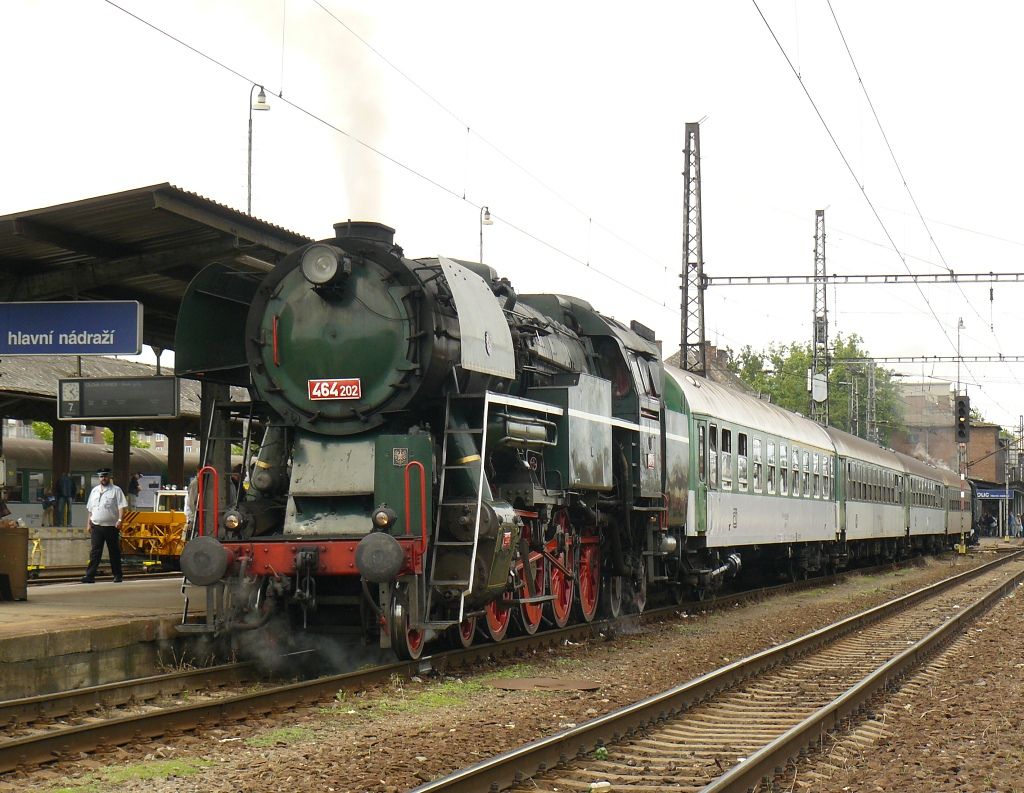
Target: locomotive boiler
(440, 456)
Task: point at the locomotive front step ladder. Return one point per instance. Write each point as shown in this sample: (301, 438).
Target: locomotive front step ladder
(459, 412)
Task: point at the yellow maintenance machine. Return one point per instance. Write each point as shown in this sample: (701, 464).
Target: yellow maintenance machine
(155, 538)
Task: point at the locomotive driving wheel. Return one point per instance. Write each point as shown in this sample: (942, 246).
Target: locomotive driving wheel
(406, 640)
(530, 613)
(463, 633)
(590, 581)
(498, 616)
(562, 589)
(561, 585)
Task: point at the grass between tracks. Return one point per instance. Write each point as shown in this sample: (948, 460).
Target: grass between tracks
(404, 699)
(153, 769)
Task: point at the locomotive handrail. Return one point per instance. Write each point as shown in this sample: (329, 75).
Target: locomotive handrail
(423, 501)
(201, 499)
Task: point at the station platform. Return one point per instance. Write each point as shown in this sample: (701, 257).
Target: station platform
(75, 635)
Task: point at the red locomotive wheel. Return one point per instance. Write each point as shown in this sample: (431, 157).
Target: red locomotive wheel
(590, 581)
(463, 633)
(498, 616)
(530, 614)
(406, 641)
(562, 589)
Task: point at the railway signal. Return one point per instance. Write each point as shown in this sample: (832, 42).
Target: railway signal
(963, 419)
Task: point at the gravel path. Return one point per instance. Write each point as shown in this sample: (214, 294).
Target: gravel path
(397, 735)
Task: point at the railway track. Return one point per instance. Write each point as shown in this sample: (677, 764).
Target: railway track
(737, 727)
(37, 730)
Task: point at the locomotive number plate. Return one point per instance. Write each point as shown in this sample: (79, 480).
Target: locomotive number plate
(336, 388)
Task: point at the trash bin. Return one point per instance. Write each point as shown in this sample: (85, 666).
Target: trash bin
(13, 561)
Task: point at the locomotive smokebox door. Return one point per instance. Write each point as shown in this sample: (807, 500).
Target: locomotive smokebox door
(403, 476)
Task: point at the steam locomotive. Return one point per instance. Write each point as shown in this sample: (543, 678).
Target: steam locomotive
(442, 456)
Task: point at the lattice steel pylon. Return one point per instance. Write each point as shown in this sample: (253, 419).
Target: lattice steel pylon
(818, 383)
(871, 419)
(692, 352)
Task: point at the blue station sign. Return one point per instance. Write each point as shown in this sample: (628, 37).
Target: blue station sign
(992, 494)
(86, 327)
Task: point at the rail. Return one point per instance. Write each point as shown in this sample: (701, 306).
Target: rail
(56, 744)
(516, 766)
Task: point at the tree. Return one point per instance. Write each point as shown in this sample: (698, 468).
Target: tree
(42, 430)
(134, 440)
(780, 372)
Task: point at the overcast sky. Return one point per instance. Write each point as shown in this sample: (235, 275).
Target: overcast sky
(567, 120)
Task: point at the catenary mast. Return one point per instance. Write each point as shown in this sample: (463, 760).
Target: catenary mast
(692, 353)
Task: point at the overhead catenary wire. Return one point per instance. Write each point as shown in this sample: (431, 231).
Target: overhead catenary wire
(396, 162)
(493, 146)
(903, 178)
(859, 183)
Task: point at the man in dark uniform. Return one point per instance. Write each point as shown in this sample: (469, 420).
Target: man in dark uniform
(106, 508)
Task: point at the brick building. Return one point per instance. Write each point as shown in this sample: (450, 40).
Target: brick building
(930, 434)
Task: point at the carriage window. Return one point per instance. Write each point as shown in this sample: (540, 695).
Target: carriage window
(783, 470)
(702, 450)
(817, 480)
(741, 460)
(757, 465)
(726, 459)
(795, 482)
(771, 479)
(713, 457)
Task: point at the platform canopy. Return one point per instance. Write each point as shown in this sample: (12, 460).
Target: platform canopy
(144, 244)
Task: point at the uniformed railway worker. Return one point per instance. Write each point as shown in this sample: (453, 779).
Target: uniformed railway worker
(106, 508)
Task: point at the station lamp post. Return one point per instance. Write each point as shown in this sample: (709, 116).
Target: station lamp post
(259, 104)
(485, 220)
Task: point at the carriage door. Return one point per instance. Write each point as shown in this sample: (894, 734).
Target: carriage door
(842, 485)
(707, 474)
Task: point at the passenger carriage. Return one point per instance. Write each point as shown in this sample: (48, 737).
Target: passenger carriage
(871, 481)
(957, 493)
(761, 478)
(925, 501)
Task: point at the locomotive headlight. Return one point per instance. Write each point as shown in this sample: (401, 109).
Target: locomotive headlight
(383, 517)
(320, 264)
(232, 520)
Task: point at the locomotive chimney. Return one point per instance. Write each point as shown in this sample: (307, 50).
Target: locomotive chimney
(365, 230)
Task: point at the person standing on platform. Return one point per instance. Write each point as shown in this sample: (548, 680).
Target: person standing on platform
(133, 490)
(49, 507)
(106, 508)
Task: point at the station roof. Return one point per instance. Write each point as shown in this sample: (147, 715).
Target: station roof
(144, 244)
